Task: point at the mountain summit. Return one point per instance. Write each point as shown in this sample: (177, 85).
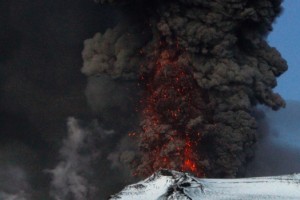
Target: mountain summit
(173, 185)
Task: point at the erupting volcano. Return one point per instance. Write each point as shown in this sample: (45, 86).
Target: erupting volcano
(168, 139)
(202, 66)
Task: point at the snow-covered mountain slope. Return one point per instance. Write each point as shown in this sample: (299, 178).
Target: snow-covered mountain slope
(173, 185)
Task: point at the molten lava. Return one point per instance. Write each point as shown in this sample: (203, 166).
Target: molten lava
(189, 163)
(168, 140)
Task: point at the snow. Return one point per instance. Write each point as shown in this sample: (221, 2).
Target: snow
(282, 187)
(151, 188)
(172, 185)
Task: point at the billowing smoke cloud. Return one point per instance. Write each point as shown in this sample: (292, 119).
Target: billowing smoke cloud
(86, 153)
(277, 150)
(41, 85)
(205, 66)
(69, 176)
(114, 53)
(14, 183)
(20, 175)
(40, 63)
(107, 97)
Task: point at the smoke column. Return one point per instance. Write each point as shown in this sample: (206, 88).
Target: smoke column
(203, 66)
(69, 176)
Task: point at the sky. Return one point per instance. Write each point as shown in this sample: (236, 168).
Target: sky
(285, 37)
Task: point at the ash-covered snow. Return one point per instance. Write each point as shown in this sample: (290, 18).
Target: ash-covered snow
(173, 185)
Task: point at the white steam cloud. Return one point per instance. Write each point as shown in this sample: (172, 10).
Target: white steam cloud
(71, 175)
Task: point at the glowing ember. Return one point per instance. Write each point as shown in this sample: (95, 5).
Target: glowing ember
(166, 139)
(190, 163)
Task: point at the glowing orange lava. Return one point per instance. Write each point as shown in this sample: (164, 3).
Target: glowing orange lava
(189, 163)
(166, 139)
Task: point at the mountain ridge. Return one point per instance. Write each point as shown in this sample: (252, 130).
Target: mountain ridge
(173, 185)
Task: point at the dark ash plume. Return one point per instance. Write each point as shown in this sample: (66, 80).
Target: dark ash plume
(106, 97)
(14, 183)
(114, 53)
(277, 150)
(41, 85)
(204, 68)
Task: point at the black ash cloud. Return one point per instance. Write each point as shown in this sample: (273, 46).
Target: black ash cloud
(224, 45)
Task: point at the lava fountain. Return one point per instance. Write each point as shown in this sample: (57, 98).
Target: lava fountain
(168, 140)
